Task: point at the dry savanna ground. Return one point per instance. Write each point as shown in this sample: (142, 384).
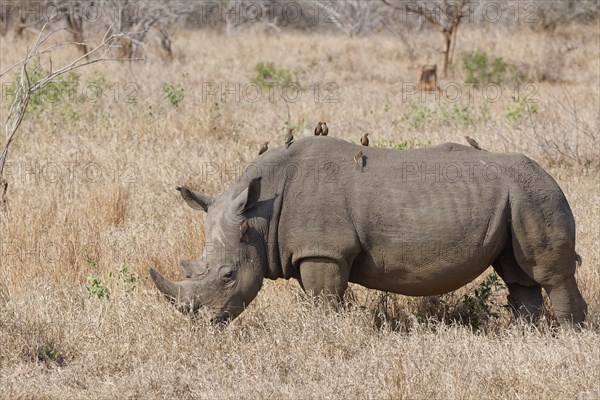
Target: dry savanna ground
(92, 205)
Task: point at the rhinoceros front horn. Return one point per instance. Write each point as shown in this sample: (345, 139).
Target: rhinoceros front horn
(172, 290)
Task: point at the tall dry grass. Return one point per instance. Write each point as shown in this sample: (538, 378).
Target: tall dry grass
(95, 181)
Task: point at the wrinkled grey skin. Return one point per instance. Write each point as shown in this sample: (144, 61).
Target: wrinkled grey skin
(416, 222)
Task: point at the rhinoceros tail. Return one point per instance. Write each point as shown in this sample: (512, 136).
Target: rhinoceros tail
(578, 259)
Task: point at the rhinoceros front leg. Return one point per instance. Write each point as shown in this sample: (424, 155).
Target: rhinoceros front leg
(525, 301)
(524, 294)
(325, 278)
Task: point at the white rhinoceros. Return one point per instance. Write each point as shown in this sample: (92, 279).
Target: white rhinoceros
(416, 222)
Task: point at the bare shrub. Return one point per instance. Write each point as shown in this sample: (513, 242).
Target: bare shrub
(563, 138)
(26, 88)
(550, 14)
(354, 17)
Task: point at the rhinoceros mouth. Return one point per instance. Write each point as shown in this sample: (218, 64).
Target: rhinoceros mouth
(220, 320)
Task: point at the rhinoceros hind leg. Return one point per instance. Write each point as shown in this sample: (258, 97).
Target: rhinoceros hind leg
(568, 304)
(324, 278)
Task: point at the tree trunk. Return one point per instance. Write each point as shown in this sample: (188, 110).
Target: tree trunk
(447, 45)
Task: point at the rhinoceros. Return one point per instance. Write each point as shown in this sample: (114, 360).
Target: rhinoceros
(416, 222)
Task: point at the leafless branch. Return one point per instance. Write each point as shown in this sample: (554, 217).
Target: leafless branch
(353, 16)
(564, 137)
(25, 89)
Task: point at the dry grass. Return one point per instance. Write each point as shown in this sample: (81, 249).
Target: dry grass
(96, 181)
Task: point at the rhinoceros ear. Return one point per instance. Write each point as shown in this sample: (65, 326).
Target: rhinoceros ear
(197, 201)
(248, 198)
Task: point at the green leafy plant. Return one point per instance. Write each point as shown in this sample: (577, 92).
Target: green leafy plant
(267, 75)
(484, 115)
(296, 126)
(482, 69)
(405, 145)
(47, 353)
(96, 286)
(174, 94)
(129, 278)
(58, 91)
(520, 108)
(421, 116)
(418, 116)
(476, 308)
(457, 114)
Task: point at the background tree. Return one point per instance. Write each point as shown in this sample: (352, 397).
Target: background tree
(38, 59)
(444, 16)
(353, 17)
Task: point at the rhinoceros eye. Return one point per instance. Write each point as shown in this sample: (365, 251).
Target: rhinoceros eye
(227, 274)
